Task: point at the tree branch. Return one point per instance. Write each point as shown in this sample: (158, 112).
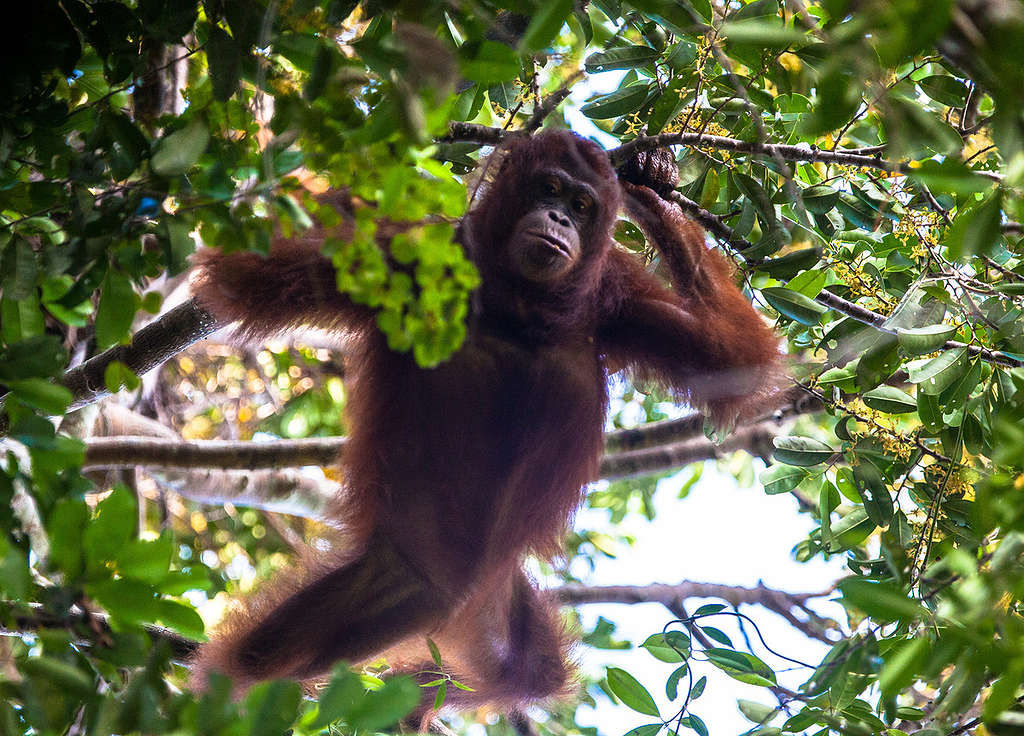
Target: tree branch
(472, 132)
(106, 453)
(160, 340)
(780, 602)
(723, 232)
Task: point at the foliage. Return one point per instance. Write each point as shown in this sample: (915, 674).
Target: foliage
(881, 232)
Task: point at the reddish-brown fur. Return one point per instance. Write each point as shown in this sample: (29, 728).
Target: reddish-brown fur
(454, 474)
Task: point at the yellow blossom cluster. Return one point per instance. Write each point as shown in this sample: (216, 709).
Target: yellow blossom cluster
(957, 482)
(882, 427)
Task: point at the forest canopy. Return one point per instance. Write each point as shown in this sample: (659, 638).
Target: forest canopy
(861, 162)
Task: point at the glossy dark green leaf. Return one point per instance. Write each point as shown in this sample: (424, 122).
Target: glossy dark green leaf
(819, 198)
(878, 362)
(672, 683)
(947, 90)
(794, 305)
(225, 57)
(742, 666)
(622, 57)
(753, 190)
(801, 451)
(924, 340)
(874, 493)
(781, 478)
(890, 400)
(936, 374)
(620, 102)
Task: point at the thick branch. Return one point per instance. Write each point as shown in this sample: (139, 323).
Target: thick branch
(670, 431)
(127, 452)
(284, 490)
(755, 439)
(123, 452)
(160, 340)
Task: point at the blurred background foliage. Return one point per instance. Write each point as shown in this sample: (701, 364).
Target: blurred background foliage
(861, 160)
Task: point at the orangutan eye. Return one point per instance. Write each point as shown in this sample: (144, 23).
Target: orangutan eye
(551, 187)
(582, 204)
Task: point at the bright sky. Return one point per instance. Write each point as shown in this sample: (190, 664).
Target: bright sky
(719, 533)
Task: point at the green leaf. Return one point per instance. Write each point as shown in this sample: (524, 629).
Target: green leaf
(179, 151)
(127, 601)
(781, 478)
(881, 601)
(902, 665)
(936, 374)
(890, 400)
(742, 666)
(673, 646)
(874, 493)
(852, 529)
(620, 102)
(116, 310)
(15, 572)
(378, 709)
(115, 523)
(271, 708)
(698, 687)
(623, 57)
(878, 362)
(146, 560)
(180, 617)
(820, 198)
(944, 89)
(65, 676)
(794, 305)
(764, 32)
(117, 376)
(39, 393)
(924, 340)
(435, 653)
(649, 729)
(976, 229)
(801, 451)
(545, 24)
(696, 724)
(756, 712)
(493, 62)
(754, 192)
(950, 175)
(65, 527)
(632, 694)
(672, 683)
(225, 58)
